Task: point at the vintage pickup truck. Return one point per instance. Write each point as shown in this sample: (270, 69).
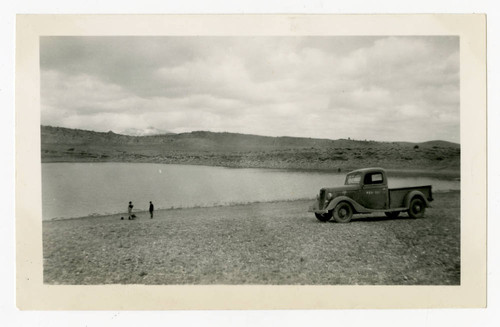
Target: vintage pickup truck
(366, 191)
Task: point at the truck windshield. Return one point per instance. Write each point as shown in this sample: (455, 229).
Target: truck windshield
(353, 179)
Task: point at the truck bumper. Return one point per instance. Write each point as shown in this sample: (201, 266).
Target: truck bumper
(315, 208)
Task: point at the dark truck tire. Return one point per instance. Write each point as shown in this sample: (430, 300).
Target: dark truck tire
(417, 208)
(343, 212)
(392, 214)
(324, 217)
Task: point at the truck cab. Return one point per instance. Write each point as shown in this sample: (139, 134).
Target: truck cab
(371, 187)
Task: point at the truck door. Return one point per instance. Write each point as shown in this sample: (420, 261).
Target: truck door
(373, 194)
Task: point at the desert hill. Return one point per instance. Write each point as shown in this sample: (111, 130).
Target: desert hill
(242, 150)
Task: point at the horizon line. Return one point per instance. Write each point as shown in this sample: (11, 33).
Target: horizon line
(226, 132)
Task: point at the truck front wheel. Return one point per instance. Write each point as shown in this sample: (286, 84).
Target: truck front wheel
(343, 212)
(417, 208)
(324, 217)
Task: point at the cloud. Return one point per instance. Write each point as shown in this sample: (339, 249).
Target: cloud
(381, 88)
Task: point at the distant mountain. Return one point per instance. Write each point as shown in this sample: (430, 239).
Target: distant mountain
(438, 143)
(203, 140)
(244, 150)
(193, 141)
(144, 132)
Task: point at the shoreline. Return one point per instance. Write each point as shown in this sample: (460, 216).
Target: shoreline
(163, 211)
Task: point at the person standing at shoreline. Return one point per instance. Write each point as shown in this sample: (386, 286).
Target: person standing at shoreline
(130, 206)
(151, 209)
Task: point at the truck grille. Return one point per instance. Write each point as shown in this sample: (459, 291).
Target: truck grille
(322, 195)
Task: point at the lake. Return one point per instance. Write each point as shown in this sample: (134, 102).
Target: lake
(72, 190)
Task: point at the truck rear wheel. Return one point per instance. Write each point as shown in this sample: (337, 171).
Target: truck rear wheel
(324, 217)
(392, 214)
(417, 208)
(343, 212)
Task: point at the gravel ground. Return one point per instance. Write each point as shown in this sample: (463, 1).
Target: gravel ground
(262, 243)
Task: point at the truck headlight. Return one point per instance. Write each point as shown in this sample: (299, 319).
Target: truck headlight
(329, 196)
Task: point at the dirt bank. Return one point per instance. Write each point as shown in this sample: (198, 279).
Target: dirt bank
(247, 151)
(263, 243)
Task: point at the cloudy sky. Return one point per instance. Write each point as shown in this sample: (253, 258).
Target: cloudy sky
(374, 88)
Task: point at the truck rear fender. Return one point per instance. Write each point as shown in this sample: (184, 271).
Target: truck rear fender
(411, 195)
(357, 207)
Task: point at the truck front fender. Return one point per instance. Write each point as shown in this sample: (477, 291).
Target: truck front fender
(357, 207)
(414, 194)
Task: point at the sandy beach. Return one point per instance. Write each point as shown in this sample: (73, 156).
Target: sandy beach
(261, 243)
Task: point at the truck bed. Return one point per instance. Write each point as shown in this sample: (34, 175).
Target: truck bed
(397, 195)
